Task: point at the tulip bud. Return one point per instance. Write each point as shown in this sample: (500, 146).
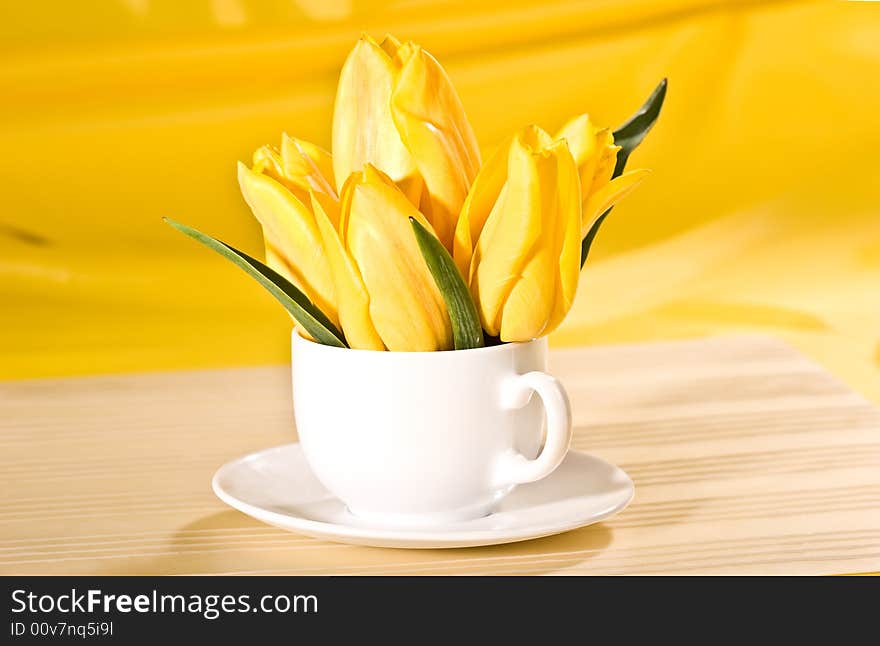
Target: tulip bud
(397, 110)
(430, 118)
(363, 128)
(405, 306)
(526, 259)
(275, 190)
(595, 154)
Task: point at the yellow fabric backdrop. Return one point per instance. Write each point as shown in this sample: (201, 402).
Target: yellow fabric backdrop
(763, 213)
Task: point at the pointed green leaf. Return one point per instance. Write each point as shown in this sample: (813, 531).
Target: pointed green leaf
(587, 242)
(466, 330)
(631, 133)
(304, 312)
(628, 136)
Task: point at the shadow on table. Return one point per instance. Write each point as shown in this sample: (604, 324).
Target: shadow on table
(230, 542)
(546, 555)
(224, 542)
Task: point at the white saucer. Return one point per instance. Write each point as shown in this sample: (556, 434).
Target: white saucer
(277, 487)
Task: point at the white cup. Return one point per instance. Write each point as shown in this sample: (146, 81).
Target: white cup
(426, 438)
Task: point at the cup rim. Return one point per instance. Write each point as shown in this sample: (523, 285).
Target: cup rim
(501, 347)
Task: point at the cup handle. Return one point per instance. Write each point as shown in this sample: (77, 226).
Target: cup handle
(512, 466)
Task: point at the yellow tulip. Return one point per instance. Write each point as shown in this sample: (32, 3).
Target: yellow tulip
(363, 128)
(595, 154)
(432, 123)
(387, 296)
(397, 110)
(524, 213)
(280, 189)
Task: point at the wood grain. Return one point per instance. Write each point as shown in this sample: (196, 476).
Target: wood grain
(747, 458)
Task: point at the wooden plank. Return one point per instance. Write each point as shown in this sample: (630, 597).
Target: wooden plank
(747, 458)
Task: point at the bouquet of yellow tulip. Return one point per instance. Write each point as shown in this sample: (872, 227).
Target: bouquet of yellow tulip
(405, 239)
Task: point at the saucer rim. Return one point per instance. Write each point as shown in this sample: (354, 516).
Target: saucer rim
(418, 538)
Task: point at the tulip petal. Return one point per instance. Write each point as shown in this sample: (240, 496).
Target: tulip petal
(544, 290)
(299, 166)
(328, 204)
(604, 168)
(363, 128)
(609, 195)
(308, 166)
(293, 242)
(432, 123)
(351, 295)
(584, 145)
(267, 159)
(514, 231)
(480, 200)
(390, 45)
(406, 306)
(580, 133)
(593, 151)
(569, 218)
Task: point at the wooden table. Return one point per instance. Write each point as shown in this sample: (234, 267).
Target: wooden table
(747, 458)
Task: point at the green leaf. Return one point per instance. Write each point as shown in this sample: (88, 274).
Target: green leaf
(304, 312)
(466, 330)
(631, 133)
(628, 136)
(587, 242)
